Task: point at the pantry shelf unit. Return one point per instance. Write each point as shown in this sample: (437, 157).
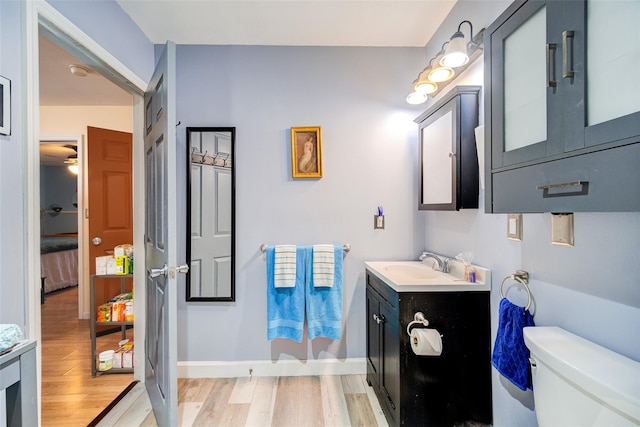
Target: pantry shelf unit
(95, 323)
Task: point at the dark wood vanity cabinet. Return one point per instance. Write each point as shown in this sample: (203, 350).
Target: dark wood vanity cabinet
(422, 390)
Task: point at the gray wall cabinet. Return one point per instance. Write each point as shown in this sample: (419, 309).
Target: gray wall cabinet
(559, 137)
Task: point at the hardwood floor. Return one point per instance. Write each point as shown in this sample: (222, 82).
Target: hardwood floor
(70, 397)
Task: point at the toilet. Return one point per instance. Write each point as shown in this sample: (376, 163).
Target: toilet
(579, 383)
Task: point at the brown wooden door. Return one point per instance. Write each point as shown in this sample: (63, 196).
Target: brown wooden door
(109, 155)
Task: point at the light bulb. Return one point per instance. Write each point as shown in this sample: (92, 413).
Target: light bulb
(416, 98)
(455, 55)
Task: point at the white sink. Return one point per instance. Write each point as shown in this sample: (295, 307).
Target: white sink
(411, 271)
(418, 276)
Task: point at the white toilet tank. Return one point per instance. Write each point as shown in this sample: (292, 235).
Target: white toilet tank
(579, 383)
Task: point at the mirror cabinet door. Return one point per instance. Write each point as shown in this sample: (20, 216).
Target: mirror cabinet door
(210, 214)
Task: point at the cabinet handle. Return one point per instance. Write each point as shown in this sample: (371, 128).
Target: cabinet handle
(378, 319)
(580, 188)
(550, 47)
(566, 56)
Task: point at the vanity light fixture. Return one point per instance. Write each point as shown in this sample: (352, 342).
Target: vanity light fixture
(453, 58)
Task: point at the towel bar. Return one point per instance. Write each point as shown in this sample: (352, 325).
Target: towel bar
(346, 247)
(522, 277)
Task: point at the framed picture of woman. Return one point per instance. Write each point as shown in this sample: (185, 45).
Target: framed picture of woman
(306, 152)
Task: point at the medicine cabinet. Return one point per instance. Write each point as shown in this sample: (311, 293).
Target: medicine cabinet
(562, 131)
(449, 178)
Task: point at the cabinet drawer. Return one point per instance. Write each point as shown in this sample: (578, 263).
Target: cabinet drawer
(612, 180)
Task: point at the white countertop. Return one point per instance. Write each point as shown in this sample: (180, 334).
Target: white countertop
(398, 275)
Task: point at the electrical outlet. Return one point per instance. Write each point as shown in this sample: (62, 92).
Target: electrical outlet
(562, 229)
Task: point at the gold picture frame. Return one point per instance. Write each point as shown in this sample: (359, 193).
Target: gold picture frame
(306, 152)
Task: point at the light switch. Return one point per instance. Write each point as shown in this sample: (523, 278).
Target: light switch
(514, 227)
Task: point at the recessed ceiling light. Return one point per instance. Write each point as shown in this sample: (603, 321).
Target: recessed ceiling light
(79, 70)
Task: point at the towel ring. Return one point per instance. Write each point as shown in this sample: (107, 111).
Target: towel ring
(522, 277)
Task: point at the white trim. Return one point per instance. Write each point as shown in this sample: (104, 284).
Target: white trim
(97, 57)
(271, 368)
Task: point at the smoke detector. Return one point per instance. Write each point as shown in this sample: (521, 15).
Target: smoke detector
(79, 70)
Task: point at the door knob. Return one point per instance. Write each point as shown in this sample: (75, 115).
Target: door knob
(96, 241)
(184, 268)
(155, 272)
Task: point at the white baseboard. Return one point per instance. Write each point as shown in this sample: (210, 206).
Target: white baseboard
(271, 368)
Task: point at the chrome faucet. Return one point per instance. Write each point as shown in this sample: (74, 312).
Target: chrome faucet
(443, 263)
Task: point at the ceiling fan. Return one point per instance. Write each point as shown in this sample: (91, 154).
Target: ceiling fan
(72, 160)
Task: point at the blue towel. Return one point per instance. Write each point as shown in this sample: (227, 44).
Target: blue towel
(285, 306)
(510, 354)
(324, 304)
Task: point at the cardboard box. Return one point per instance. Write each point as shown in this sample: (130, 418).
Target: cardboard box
(111, 265)
(101, 264)
(117, 358)
(122, 250)
(127, 358)
(122, 264)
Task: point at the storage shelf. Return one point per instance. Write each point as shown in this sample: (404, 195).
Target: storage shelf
(94, 323)
(117, 371)
(113, 323)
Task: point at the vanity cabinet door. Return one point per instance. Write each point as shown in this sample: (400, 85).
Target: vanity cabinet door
(448, 157)
(374, 365)
(383, 347)
(390, 347)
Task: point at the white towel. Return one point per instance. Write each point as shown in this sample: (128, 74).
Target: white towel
(323, 266)
(284, 269)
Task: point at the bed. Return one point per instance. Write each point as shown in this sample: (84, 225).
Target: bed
(58, 262)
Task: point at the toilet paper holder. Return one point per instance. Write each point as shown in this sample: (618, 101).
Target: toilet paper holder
(418, 317)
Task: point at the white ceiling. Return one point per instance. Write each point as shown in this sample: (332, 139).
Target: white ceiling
(244, 22)
(289, 22)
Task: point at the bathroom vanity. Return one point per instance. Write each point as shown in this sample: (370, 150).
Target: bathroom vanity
(429, 390)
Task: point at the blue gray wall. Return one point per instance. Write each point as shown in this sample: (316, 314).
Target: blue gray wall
(369, 145)
(12, 179)
(58, 187)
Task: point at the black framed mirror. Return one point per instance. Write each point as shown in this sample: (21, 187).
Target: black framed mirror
(211, 213)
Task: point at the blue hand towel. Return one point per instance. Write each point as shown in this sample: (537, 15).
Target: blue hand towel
(324, 304)
(510, 354)
(285, 306)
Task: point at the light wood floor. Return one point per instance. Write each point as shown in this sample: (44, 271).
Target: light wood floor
(72, 398)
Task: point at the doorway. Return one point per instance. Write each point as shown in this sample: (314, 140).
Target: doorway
(67, 383)
(41, 18)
